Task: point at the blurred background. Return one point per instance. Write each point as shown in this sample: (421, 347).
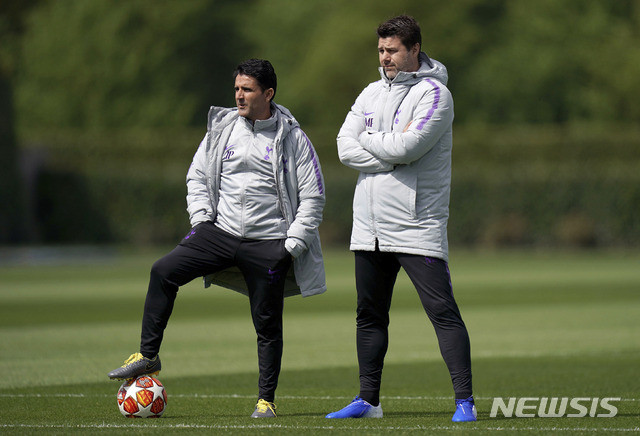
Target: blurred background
(104, 102)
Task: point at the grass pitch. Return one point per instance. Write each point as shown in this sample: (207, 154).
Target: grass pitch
(541, 325)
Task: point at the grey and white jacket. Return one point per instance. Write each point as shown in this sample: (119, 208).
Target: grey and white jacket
(300, 189)
(401, 199)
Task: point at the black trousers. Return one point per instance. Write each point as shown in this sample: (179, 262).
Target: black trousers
(207, 249)
(376, 274)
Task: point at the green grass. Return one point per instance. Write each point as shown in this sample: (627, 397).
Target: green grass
(541, 325)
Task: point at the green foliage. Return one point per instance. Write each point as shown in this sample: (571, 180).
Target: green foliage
(115, 64)
(109, 95)
(509, 61)
(556, 62)
(12, 227)
(123, 187)
(11, 192)
(536, 186)
(546, 186)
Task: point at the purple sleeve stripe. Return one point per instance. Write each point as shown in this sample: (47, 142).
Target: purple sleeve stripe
(314, 160)
(433, 108)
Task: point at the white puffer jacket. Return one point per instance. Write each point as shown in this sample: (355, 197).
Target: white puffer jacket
(301, 196)
(401, 199)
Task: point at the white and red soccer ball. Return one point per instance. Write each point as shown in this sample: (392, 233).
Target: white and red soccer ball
(142, 397)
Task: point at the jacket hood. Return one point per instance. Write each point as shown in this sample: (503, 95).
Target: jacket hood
(428, 68)
(288, 120)
(218, 114)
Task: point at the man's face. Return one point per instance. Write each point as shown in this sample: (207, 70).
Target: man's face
(395, 57)
(252, 102)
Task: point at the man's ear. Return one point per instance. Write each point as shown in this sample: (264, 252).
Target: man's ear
(415, 49)
(269, 93)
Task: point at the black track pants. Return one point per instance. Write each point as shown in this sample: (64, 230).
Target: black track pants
(207, 249)
(376, 274)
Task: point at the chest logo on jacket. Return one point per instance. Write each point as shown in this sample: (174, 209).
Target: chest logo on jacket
(228, 152)
(269, 150)
(368, 121)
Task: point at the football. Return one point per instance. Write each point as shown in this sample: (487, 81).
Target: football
(142, 397)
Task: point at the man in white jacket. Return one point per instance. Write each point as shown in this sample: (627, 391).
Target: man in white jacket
(255, 200)
(398, 135)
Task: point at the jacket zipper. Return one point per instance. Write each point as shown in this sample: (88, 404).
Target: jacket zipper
(278, 156)
(243, 195)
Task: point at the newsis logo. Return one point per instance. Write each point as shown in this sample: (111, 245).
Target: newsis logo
(554, 407)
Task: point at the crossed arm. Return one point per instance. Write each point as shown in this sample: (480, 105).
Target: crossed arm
(380, 151)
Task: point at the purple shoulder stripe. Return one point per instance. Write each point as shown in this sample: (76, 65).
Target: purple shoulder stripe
(433, 108)
(314, 160)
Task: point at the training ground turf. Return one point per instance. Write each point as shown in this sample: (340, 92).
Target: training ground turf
(541, 325)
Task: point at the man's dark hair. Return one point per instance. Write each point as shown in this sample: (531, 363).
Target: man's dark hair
(261, 70)
(404, 27)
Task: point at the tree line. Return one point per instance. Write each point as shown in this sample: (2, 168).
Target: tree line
(102, 68)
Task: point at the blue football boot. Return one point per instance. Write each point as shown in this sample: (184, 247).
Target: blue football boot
(358, 408)
(465, 411)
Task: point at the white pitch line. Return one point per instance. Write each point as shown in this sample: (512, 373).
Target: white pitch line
(240, 396)
(322, 427)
